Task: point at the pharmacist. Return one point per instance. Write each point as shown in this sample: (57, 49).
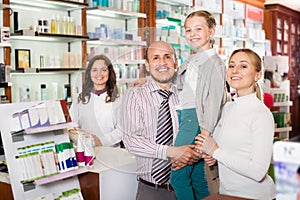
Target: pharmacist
(96, 108)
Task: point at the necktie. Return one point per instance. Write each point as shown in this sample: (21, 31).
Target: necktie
(161, 169)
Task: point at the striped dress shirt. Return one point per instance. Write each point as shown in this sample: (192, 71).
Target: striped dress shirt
(139, 112)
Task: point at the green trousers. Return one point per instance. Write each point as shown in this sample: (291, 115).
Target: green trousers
(189, 183)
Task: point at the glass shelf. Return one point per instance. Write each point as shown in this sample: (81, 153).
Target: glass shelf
(169, 21)
(114, 42)
(114, 13)
(126, 80)
(46, 70)
(50, 37)
(51, 4)
(5, 45)
(129, 62)
(3, 6)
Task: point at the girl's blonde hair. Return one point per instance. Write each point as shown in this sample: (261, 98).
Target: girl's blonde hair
(257, 63)
(211, 22)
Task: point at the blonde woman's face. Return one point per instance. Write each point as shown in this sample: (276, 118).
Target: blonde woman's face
(241, 74)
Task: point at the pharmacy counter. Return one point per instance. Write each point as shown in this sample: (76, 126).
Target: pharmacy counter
(112, 177)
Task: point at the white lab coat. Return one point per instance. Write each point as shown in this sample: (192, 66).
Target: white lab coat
(99, 118)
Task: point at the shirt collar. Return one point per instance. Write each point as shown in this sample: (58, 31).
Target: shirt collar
(153, 86)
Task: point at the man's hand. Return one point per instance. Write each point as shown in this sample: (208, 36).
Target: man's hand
(183, 155)
(97, 140)
(138, 82)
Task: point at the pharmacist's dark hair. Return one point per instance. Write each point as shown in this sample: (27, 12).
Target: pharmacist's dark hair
(256, 62)
(88, 85)
(298, 171)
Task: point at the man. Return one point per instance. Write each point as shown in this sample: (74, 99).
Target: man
(150, 124)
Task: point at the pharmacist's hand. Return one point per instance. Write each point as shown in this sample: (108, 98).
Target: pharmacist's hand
(207, 144)
(183, 155)
(73, 135)
(210, 161)
(138, 82)
(97, 141)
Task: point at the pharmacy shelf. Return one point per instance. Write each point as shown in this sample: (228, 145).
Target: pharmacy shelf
(51, 4)
(169, 21)
(175, 2)
(3, 6)
(115, 42)
(126, 80)
(283, 129)
(49, 37)
(5, 45)
(5, 84)
(278, 104)
(129, 62)
(61, 176)
(114, 13)
(45, 70)
(256, 41)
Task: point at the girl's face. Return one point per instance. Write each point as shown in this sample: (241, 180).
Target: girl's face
(99, 74)
(241, 74)
(198, 34)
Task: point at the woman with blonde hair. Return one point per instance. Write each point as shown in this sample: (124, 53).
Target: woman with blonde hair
(243, 140)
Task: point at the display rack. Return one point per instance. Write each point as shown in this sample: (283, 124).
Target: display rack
(56, 133)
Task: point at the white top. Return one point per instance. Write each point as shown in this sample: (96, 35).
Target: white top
(99, 118)
(245, 138)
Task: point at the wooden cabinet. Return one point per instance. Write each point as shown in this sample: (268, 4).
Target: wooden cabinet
(282, 27)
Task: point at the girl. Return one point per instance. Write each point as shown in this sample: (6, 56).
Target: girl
(201, 83)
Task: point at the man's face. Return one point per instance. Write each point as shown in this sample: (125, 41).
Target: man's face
(161, 63)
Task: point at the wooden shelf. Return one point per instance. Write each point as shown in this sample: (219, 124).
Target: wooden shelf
(61, 176)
